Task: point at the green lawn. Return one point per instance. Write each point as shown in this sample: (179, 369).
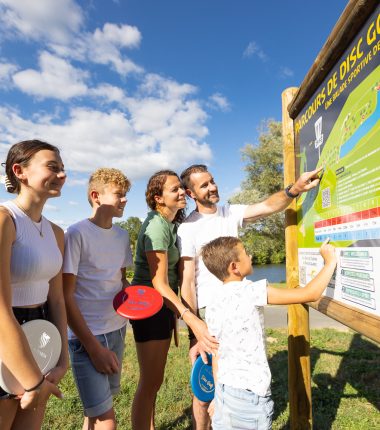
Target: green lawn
(345, 384)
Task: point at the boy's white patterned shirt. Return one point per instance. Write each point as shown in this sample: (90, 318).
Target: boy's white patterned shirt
(236, 318)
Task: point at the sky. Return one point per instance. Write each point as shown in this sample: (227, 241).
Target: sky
(142, 85)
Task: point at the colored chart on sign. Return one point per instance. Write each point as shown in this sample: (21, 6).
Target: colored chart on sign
(339, 130)
(362, 225)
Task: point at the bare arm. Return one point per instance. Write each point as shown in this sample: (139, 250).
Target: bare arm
(14, 347)
(124, 280)
(187, 280)
(189, 298)
(57, 314)
(104, 360)
(314, 289)
(158, 267)
(279, 201)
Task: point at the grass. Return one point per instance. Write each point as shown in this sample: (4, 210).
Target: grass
(345, 385)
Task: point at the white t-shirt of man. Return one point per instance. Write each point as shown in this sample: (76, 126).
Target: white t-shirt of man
(236, 318)
(199, 229)
(95, 256)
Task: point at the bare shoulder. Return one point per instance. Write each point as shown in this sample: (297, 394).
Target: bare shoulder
(57, 229)
(59, 234)
(7, 224)
(6, 217)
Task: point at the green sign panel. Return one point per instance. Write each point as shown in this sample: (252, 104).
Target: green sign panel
(339, 129)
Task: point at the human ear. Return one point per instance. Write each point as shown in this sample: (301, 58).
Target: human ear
(233, 268)
(18, 171)
(159, 199)
(95, 196)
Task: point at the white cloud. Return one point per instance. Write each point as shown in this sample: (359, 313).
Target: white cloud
(286, 72)
(42, 20)
(165, 88)
(109, 93)
(57, 79)
(157, 123)
(155, 134)
(59, 25)
(218, 101)
(254, 49)
(125, 36)
(73, 203)
(6, 71)
(104, 46)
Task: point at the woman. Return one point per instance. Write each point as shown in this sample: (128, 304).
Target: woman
(156, 265)
(31, 249)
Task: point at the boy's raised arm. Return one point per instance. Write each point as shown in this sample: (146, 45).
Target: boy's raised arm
(314, 289)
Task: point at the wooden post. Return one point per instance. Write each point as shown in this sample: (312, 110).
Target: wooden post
(298, 315)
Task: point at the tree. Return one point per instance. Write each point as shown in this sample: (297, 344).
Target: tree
(132, 225)
(264, 239)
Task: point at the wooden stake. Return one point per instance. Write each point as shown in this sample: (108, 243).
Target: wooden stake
(298, 315)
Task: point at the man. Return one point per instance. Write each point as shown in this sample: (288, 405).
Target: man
(207, 222)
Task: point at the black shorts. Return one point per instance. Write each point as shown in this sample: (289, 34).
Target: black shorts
(24, 315)
(157, 327)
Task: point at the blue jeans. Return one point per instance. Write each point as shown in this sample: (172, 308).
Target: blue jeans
(236, 408)
(96, 389)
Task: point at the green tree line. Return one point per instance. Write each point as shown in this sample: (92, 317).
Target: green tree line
(263, 239)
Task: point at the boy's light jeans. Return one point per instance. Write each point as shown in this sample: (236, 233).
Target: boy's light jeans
(236, 408)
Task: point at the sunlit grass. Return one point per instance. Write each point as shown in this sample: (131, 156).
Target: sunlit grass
(345, 385)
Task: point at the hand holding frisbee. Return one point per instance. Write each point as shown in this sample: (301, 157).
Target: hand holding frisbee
(138, 302)
(202, 380)
(45, 343)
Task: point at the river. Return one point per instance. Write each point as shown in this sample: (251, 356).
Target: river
(272, 272)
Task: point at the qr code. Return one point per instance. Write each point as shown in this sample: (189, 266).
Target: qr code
(326, 198)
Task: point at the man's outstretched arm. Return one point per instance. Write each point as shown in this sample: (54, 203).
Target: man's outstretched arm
(279, 201)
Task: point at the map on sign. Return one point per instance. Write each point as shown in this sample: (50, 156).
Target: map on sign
(342, 135)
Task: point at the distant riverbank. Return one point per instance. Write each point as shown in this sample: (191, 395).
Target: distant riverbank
(275, 273)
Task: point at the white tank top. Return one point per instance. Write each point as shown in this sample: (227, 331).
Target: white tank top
(35, 259)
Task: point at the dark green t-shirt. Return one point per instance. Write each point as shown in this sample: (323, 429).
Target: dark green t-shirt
(156, 234)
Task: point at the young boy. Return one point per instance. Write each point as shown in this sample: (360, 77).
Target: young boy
(96, 256)
(235, 318)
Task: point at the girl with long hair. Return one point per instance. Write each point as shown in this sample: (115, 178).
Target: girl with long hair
(31, 249)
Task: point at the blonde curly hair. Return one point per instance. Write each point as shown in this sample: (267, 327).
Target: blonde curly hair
(105, 176)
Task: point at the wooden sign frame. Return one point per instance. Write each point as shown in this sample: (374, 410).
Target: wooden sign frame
(294, 100)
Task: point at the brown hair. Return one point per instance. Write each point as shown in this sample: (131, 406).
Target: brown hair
(155, 187)
(218, 254)
(21, 153)
(105, 176)
(194, 168)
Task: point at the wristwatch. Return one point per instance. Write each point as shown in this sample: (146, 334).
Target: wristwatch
(289, 194)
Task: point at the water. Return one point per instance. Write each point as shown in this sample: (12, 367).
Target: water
(272, 272)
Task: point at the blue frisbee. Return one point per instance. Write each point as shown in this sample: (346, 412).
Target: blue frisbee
(202, 380)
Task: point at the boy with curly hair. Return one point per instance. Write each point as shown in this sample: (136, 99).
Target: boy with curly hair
(97, 254)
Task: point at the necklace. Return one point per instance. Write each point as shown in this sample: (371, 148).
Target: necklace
(39, 229)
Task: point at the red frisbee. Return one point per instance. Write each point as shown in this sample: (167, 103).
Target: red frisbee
(137, 302)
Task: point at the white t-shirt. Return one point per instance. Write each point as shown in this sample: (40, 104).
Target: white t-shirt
(96, 255)
(236, 318)
(199, 229)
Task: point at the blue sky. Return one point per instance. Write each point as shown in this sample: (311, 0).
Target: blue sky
(142, 85)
